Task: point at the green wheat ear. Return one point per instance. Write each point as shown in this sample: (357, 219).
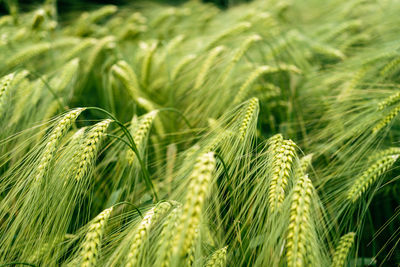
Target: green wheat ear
(342, 250)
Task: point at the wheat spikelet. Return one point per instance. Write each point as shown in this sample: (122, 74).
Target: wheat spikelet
(386, 120)
(281, 166)
(173, 44)
(251, 112)
(127, 76)
(141, 133)
(370, 175)
(147, 62)
(342, 250)
(389, 101)
(237, 29)
(55, 137)
(298, 229)
(217, 259)
(239, 54)
(181, 65)
(212, 55)
(164, 244)
(89, 148)
(200, 180)
(141, 232)
(91, 245)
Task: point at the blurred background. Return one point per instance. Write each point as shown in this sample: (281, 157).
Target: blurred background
(65, 6)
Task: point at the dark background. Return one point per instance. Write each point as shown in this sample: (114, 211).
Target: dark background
(76, 5)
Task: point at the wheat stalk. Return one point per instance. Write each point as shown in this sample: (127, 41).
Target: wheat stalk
(141, 232)
(299, 225)
(342, 250)
(90, 248)
(370, 175)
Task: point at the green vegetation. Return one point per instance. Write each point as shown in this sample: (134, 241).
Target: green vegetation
(265, 134)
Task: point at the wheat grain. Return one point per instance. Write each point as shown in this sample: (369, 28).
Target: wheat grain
(370, 175)
(298, 229)
(342, 250)
(90, 247)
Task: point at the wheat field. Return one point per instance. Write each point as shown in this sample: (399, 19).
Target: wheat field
(265, 133)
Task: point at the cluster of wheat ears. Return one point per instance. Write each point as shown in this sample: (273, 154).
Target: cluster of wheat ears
(265, 134)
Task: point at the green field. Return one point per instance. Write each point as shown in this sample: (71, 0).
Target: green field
(261, 133)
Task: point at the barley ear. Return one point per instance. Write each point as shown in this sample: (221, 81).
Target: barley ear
(342, 250)
(217, 259)
(90, 248)
(299, 225)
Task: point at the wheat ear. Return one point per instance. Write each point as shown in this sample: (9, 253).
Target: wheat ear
(89, 148)
(281, 165)
(237, 29)
(164, 245)
(141, 133)
(54, 139)
(299, 225)
(181, 65)
(127, 76)
(200, 181)
(204, 69)
(370, 175)
(393, 99)
(5, 84)
(251, 112)
(217, 259)
(342, 250)
(386, 120)
(141, 232)
(91, 245)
